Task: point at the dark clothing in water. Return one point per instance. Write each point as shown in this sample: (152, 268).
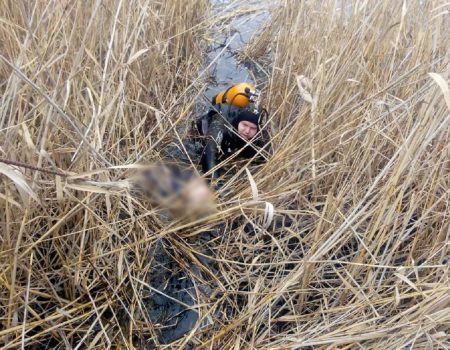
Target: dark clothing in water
(221, 139)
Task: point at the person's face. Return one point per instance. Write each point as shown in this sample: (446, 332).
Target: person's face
(247, 129)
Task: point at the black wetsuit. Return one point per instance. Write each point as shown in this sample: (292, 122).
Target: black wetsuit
(221, 139)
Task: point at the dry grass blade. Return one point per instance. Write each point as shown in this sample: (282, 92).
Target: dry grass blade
(19, 180)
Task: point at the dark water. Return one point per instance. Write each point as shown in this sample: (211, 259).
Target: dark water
(175, 314)
(226, 70)
(175, 318)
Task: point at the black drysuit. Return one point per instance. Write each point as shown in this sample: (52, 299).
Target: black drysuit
(221, 139)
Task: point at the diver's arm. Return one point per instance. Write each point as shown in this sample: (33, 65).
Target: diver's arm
(213, 142)
(209, 157)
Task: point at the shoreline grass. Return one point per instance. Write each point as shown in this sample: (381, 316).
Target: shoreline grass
(340, 240)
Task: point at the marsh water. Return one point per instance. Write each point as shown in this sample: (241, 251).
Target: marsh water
(225, 67)
(171, 305)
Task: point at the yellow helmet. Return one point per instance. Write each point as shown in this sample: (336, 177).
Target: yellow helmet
(239, 95)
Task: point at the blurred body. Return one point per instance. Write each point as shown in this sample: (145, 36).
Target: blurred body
(178, 189)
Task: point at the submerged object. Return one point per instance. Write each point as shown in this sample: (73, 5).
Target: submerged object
(177, 188)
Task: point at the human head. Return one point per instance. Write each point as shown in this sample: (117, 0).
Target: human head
(247, 124)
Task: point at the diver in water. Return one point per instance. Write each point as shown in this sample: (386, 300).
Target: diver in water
(232, 126)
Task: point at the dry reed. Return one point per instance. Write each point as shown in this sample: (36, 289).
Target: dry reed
(359, 104)
(88, 88)
(341, 240)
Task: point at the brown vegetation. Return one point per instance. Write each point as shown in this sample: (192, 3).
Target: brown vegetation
(86, 86)
(341, 240)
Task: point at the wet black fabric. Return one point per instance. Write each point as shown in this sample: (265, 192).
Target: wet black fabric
(221, 139)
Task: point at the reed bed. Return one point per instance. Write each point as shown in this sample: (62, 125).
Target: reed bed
(86, 87)
(359, 102)
(340, 240)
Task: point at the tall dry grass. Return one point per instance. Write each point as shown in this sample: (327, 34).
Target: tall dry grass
(86, 86)
(356, 255)
(360, 111)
